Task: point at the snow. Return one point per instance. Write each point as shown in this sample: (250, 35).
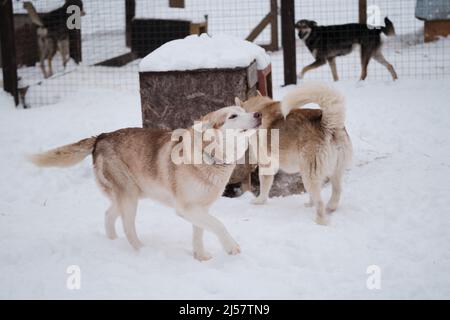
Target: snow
(205, 52)
(394, 209)
(393, 214)
(144, 10)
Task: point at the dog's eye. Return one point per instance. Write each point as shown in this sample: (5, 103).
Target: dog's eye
(232, 116)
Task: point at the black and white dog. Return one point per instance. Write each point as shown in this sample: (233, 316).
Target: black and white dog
(328, 42)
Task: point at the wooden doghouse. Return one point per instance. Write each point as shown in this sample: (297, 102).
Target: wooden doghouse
(436, 15)
(150, 27)
(173, 99)
(27, 51)
(174, 93)
(149, 34)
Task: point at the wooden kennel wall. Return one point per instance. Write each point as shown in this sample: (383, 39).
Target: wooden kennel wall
(175, 99)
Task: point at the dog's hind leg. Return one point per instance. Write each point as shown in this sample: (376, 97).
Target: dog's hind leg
(42, 64)
(336, 185)
(64, 50)
(50, 68)
(42, 58)
(314, 185)
(111, 216)
(378, 56)
(365, 58)
(332, 64)
(265, 183)
(127, 207)
(201, 219)
(314, 65)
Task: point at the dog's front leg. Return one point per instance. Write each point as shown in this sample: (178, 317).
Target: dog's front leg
(247, 184)
(265, 183)
(197, 244)
(42, 64)
(314, 65)
(201, 219)
(332, 64)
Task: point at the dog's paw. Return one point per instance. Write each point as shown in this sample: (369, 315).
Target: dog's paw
(202, 256)
(259, 201)
(308, 204)
(330, 210)
(137, 246)
(331, 206)
(321, 220)
(234, 250)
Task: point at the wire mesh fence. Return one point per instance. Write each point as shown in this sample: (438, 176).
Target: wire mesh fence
(116, 34)
(406, 50)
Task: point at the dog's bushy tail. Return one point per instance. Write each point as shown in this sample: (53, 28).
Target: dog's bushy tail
(330, 101)
(389, 29)
(64, 156)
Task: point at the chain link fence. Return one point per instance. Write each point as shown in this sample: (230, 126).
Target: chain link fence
(115, 34)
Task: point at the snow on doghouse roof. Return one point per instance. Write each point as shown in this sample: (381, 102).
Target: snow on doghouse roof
(41, 6)
(205, 52)
(433, 10)
(159, 9)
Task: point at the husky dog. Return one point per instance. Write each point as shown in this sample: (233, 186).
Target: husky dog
(52, 33)
(328, 42)
(312, 142)
(135, 163)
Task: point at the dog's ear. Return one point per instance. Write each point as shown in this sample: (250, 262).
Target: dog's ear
(238, 102)
(211, 121)
(217, 122)
(313, 23)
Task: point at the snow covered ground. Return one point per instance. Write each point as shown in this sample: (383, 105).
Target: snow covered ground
(394, 211)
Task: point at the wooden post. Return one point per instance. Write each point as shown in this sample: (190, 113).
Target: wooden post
(272, 19)
(8, 44)
(176, 3)
(75, 45)
(130, 11)
(260, 27)
(288, 41)
(274, 25)
(363, 11)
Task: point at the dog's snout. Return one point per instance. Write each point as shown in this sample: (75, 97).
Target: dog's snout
(257, 115)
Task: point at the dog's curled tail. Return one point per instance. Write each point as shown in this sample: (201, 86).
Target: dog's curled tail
(64, 156)
(330, 101)
(389, 29)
